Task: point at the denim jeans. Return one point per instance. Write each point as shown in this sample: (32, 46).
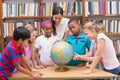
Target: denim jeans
(114, 71)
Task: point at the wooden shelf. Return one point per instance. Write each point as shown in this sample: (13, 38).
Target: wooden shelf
(34, 18)
(22, 18)
(113, 36)
(104, 17)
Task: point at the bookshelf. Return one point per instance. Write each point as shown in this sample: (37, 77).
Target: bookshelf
(85, 14)
(1, 28)
(13, 19)
(106, 12)
(115, 37)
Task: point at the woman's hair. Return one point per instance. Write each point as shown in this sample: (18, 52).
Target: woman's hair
(21, 33)
(73, 20)
(45, 23)
(56, 10)
(92, 25)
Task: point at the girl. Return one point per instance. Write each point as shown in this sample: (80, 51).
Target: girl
(105, 50)
(91, 52)
(78, 41)
(43, 44)
(29, 48)
(59, 24)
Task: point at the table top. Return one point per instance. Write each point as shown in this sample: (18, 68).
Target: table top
(73, 73)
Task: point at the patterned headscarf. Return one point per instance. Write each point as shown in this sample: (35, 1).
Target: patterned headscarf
(45, 23)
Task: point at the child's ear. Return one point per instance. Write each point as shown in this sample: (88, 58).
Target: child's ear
(20, 40)
(93, 30)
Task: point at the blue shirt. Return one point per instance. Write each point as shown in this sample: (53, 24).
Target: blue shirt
(79, 46)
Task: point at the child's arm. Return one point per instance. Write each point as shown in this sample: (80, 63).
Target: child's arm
(67, 33)
(33, 56)
(23, 64)
(38, 59)
(85, 58)
(24, 61)
(32, 74)
(98, 55)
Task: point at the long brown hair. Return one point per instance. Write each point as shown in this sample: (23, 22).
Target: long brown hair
(56, 10)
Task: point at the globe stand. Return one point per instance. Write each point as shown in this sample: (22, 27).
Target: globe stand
(61, 68)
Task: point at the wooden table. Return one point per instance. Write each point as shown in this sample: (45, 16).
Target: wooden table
(73, 73)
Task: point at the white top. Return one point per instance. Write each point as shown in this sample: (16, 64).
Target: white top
(44, 45)
(93, 46)
(109, 58)
(62, 28)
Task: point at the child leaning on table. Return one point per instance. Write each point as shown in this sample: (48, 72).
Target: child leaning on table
(105, 50)
(92, 50)
(13, 52)
(29, 48)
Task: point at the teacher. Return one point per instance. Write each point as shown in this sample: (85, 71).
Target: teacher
(59, 23)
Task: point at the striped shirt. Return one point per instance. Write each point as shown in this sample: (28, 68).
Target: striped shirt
(9, 59)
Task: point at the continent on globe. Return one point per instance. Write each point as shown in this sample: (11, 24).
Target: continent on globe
(61, 54)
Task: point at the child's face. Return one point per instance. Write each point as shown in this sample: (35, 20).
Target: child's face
(33, 35)
(57, 18)
(48, 30)
(89, 33)
(23, 43)
(74, 28)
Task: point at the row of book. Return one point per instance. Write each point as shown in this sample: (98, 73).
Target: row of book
(35, 9)
(102, 7)
(9, 27)
(21, 9)
(111, 26)
(117, 46)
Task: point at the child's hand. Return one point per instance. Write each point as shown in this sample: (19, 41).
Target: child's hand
(34, 70)
(44, 65)
(36, 75)
(38, 67)
(87, 72)
(76, 57)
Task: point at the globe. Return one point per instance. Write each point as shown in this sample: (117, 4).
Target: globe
(61, 54)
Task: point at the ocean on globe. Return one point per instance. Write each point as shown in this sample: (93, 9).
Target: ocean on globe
(61, 53)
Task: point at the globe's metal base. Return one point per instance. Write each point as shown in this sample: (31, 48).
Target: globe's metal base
(61, 69)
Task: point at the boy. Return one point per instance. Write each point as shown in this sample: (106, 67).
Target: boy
(78, 41)
(13, 53)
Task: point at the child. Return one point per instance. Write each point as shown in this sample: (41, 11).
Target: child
(91, 52)
(105, 50)
(44, 44)
(9, 59)
(29, 48)
(78, 41)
